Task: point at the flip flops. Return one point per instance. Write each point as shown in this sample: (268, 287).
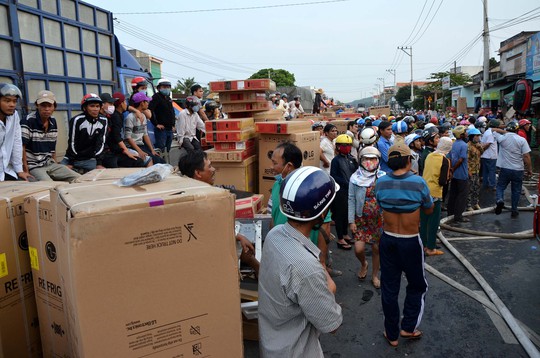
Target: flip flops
(434, 252)
(376, 282)
(391, 343)
(414, 335)
(363, 272)
(343, 246)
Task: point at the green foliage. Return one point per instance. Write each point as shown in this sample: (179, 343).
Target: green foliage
(493, 62)
(404, 94)
(183, 86)
(282, 78)
(456, 79)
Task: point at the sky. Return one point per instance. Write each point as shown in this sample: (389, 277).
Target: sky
(342, 46)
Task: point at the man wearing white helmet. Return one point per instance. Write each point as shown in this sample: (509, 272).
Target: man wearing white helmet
(413, 141)
(368, 137)
(296, 293)
(164, 115)
(11, 149)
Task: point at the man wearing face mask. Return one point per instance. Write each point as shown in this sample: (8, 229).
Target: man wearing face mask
(164, 116)
(296, 294)
(187, 124)
(342, 168)
(117, 154)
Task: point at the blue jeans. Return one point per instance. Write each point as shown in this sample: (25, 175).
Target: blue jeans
(402, 254)
(82, 165)
(488, 172)
(163, 139)
(513, 177)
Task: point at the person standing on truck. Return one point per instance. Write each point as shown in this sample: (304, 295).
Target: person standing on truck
(87, 132)
(187, 124)
(39, 134)
(139, 84)
(198, 92)
(11, 149)
(164, 115)
(117, 154)
(136, 133)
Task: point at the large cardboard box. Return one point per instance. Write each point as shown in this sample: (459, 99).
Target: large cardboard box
(229, 124)
(107, 174)
(341, 125)
(250, 143)
(43, 246)
(231, 136)
(246, 107)
(19, 327)
(282, 127)
(239, 176)
(240, 85)
(230, 155)
(242, 96)
(271, 115)
(308, 142)
(144, 273)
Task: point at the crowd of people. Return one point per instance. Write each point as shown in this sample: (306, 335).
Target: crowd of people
(382, 184)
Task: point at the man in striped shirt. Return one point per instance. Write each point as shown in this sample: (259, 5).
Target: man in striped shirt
(401, 195)
(39, 133)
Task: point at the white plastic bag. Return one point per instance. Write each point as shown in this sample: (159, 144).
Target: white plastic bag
(153, 174)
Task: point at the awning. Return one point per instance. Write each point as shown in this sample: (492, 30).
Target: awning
(494, 93)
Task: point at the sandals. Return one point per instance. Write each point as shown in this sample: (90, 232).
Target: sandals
(363, 272)
(376, 282)
(391, 343)
(407, 335)
(435, 252)
(345, 246)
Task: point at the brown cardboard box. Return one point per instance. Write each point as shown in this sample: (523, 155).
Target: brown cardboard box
(231, 136)
(239, 176)
(48, 287)
(228, 124)
(236, 145)
(246, 208)
(107, 174)
(136, 272)
(341, 125)
(230, 155)
(19, 327)
(246, 107)
(242, 96)
(282, 127)
(271, 115)
(309, 144)
(239, 85)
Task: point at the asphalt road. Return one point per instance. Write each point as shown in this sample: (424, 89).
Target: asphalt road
(454, 324)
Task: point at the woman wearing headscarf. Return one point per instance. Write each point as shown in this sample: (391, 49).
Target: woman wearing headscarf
(365, 219)
(437, 173)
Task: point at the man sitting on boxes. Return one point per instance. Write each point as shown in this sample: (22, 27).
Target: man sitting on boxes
(39, 133)
(187, 123)
(196, 165)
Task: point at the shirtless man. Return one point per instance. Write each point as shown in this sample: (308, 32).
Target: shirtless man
(401, 195)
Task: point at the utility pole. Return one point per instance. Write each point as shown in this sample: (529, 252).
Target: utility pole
(485, 76)
(393, 72)
(383, 86)
(410, 55)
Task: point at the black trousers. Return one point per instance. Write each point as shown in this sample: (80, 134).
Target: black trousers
(457, 198)
(340, 214)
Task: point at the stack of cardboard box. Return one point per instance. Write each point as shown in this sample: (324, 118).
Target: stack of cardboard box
(234, 139)
(121, 272)
(274, 132)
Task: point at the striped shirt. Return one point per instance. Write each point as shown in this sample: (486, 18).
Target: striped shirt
(135, 129)
(402, 193)
(40, 144)
(295, 304)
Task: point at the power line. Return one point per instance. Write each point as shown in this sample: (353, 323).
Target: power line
(231, 8)
(417, 20)
(427, 27)
(423, 22)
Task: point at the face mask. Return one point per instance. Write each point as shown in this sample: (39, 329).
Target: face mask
(165, 91)
(109, 110)
(370, 165)
(196, 109)
(142, 91)
(344, 149)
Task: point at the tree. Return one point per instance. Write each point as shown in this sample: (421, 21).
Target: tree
(456, 79)
(282, 78)
(404, 94)
(493, 62)
(184, 86)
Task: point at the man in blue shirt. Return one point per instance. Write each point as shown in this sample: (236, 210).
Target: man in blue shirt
(459, 186)
(385, 141)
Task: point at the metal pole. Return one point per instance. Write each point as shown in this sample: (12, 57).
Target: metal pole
(410, 55)
(485, 76)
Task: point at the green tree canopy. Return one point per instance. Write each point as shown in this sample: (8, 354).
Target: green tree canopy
(404, 94)
(282, 78)
(183, 86)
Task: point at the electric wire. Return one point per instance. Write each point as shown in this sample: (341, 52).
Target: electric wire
(231, 9)
(417, 20)
(423, 22)
(427, 27)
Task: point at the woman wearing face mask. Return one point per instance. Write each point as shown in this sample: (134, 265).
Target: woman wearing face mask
(343, 166)
(364, 214)
(475, 150)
